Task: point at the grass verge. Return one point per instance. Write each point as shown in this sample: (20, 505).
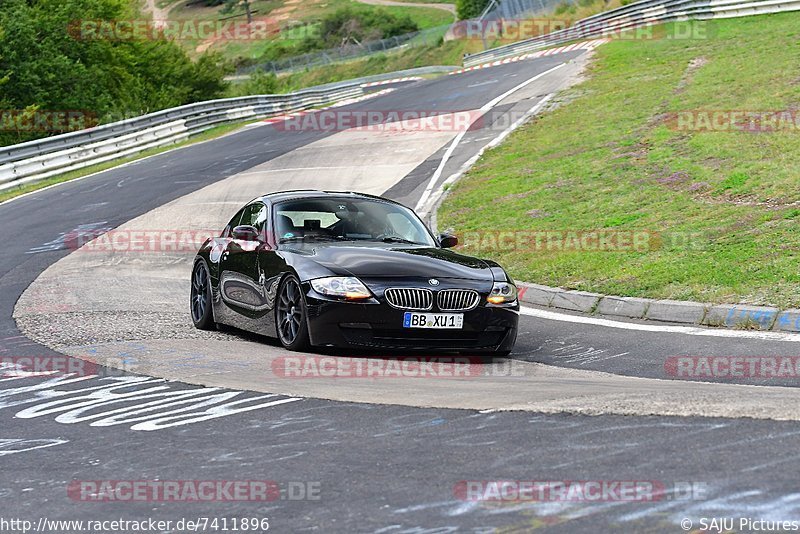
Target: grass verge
(720, 209)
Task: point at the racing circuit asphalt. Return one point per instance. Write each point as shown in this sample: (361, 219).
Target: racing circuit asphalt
(381, 468)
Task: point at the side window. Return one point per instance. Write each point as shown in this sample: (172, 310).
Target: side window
(261, 220)
(255, 215)
(234, 222)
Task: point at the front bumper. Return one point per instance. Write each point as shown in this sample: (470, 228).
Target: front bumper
(378, 325)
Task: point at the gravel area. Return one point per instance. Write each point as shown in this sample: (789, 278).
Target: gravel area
(60, 330)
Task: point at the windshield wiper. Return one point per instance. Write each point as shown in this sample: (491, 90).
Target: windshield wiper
(312, 237)
(396, 239)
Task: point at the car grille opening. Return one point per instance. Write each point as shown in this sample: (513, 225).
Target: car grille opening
(457, 299)
(424, 339)
(409, 298)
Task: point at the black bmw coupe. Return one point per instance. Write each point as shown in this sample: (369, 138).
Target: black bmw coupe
(318, 268)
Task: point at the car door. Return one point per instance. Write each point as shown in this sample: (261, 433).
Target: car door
(241, 283)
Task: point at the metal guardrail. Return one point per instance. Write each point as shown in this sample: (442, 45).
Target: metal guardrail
(39, 159)
(633, 16)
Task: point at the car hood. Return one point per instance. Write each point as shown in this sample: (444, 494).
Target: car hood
(390, 260)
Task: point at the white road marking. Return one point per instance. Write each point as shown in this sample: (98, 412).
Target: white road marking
(145, 403)
(81, 234)
(15, 446)
(486, 107)
(686, 330)
(488, 82)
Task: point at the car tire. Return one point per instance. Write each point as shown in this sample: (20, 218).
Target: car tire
(291, 315)
(200, 301)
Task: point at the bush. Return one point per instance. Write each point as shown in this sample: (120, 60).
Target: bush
(469, 9)
(348, 26)
(260, 83)
(565, 8)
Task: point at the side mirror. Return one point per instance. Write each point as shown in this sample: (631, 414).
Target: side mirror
(245, 233)
(448, 240)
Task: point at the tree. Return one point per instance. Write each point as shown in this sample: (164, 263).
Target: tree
(4, 75)
(45, 66)
(354, 26)
(470, 9)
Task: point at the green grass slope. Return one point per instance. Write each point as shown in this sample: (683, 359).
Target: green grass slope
(722, 207)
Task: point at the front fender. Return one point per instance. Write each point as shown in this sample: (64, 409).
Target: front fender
(307, 269)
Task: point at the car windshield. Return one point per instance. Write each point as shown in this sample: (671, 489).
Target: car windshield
(348, 219)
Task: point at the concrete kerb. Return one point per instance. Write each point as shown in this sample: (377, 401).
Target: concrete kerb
(633, 307)
(677, 311)
(787, 321)
(739, 316)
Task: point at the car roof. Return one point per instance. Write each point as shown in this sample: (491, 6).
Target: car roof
(315, 193)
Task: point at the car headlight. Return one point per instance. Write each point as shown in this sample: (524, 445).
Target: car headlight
(345, 287)
(502, 293)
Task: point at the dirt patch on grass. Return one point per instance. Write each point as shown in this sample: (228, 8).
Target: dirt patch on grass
(639, 152)
(513, 196)
(693, 66)
(537, 214)
(673, 178)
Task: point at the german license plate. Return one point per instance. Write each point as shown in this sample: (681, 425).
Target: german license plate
(433, 320)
